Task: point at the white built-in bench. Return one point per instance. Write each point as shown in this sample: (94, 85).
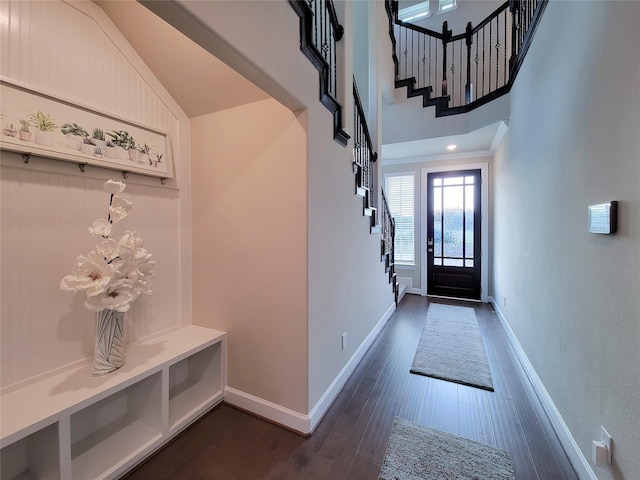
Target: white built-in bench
(74, 426)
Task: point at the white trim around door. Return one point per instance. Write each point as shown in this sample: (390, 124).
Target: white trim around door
(484, 209)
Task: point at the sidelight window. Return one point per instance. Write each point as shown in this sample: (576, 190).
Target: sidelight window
(399, 190)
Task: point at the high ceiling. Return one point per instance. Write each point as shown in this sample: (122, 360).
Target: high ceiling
(481, 142)
(202, 84)
(197, 80)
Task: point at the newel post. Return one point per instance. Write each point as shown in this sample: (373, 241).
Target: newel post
(394, 9)
(446, 35)
(468, 88)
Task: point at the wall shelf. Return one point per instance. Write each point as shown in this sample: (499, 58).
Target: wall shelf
(73, 425)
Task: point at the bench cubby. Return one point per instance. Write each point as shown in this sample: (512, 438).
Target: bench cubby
(72, 425)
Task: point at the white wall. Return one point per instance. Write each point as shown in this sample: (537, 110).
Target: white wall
(572, 297)
(250, 245)
(74, 52)
(348, 289)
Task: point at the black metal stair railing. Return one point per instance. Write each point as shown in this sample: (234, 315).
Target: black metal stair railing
(457, 73)
(388, 233)
(320, 30)
(525, 16)
(364, 159)
(366, 174)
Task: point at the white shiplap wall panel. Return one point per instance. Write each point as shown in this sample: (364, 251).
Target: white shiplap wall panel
(72, 50)
(59, 48)
(45, 216)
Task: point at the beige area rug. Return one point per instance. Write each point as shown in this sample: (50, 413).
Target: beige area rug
(451, 347)
(415, 452)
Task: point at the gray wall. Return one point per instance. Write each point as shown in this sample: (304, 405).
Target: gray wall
(572, 298)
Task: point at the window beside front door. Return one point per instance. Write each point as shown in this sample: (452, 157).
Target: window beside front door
(399, 191)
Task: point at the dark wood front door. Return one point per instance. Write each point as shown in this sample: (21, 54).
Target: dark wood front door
(453, 234)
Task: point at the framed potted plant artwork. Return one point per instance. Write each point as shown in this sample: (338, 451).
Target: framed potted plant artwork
(55, 128)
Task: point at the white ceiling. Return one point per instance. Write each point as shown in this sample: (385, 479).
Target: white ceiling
(202, 84)
(481, 142)
(197, 80)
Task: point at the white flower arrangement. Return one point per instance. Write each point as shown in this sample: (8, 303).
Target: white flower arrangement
(116, 272)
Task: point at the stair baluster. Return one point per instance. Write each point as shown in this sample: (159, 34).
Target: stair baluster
(387, 239)
(319, 32)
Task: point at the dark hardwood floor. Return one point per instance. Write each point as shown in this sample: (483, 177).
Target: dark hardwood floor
(350, 442)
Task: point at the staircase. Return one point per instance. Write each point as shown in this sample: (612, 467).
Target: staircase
(454, 73)
(320, 30)
(458, 73)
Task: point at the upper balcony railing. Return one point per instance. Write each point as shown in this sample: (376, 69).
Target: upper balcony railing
(460, 72)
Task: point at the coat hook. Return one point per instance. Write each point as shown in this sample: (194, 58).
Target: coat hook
(125, 174)
(82, 166)
(26, 157)
(163, 180)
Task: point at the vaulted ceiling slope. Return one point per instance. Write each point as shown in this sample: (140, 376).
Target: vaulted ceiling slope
(198, 81)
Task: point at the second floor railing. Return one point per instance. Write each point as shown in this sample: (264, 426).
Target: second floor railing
(460, 72)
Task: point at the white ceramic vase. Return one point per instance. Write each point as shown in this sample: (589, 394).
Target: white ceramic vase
(109, 352)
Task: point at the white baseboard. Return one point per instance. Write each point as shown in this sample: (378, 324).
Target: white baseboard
(299, 422)
(291, 419)
(576, 457)
(330, 394)
(414, 291)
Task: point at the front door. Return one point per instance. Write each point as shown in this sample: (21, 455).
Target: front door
(453, 234)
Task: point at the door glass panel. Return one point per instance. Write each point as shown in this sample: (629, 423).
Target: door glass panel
(468, 180)
(452, 221)
(437, 261)
(437, 221)
(453, 181)
(468, 263)
(452, 262)
(437, 182)
(468, 219)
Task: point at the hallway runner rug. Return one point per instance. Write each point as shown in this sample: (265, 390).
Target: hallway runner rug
(415, 452)
(451, 348)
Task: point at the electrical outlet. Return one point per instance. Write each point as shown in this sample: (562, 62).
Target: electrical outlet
(607, 440)
(344, 340)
